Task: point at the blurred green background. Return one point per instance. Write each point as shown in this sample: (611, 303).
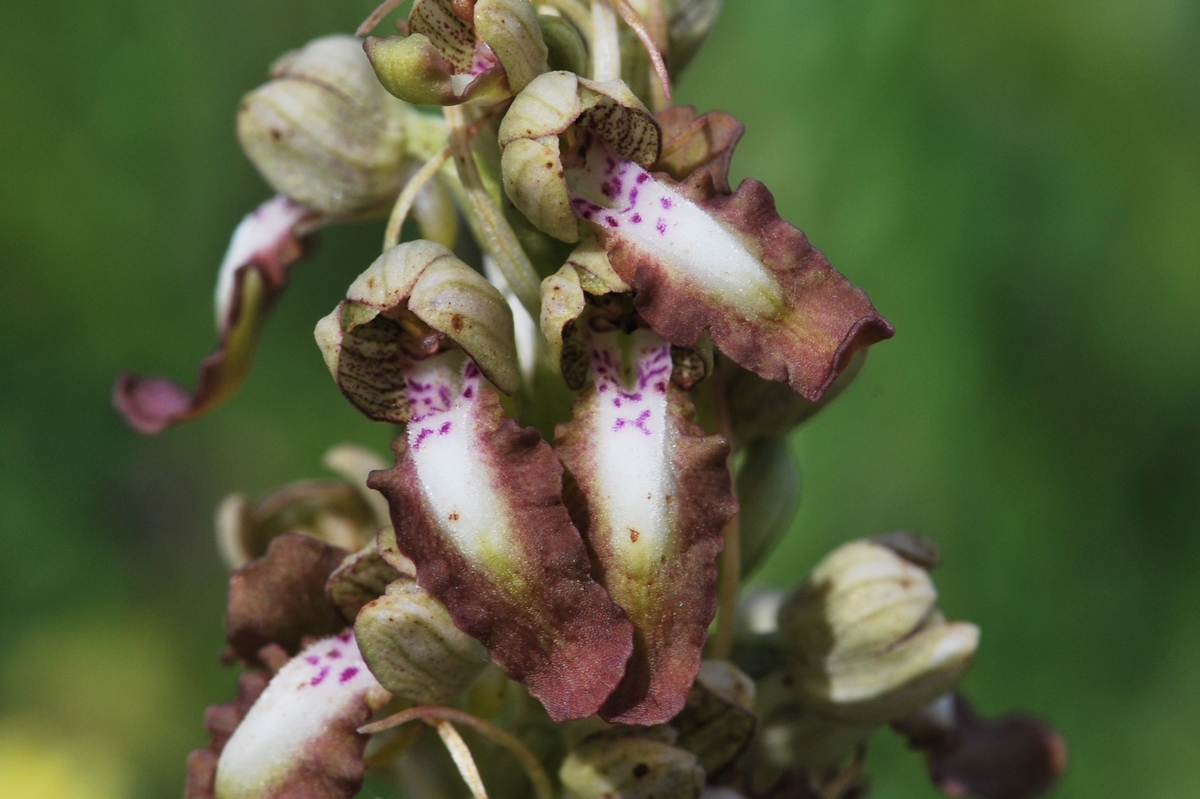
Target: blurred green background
(1015, 182)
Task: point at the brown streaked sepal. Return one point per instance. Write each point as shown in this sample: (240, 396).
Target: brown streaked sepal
(719, 719)
(651, 493)
(700, 260)
(532, 157)
(280, 597)
(477, 504)
(300, 738)
(484, 54)
(255, 270)
(409, 303)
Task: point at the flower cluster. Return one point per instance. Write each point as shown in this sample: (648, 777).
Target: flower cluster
(551, 588)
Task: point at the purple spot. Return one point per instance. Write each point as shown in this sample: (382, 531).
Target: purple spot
(578, 201)
(312, 660)
(611, 163)
(444, 429)
(602, 388)
(661, 388)
(587, 214)
(344, 636)
(665, 202)
(616, 185)
(617, 425)
(415, 386)
(348, 674)
(636, 218)
(616, 402)
(469, 392)
(320, 678)
(643, 177)
(444, 395)
(333, 654)
(661, 226)
(612, 222)
(472, 370)
(421, 436)
(606, 189)
(633, 193)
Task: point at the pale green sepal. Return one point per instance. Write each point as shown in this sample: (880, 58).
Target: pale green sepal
(868, 642)
(396, 312)
(562, 303)
(511, 29)
(413, 648)
(362, 578)
(566, 48)
(719, 719)
(635, 764)
(552, 103)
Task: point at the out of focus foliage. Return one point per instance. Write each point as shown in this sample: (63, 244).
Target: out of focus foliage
(1015, 182)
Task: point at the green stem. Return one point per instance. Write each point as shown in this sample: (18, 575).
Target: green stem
(576, 12)
(496, 235)
(605, 45)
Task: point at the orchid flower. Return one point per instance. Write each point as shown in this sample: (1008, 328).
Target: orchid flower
(591, 403)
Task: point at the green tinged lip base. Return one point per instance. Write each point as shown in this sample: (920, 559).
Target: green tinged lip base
(657, 555)
(536, 609)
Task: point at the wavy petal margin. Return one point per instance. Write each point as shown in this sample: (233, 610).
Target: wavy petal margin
(477, 504)
(700, 260)
(300, 739)
(280, 598)
(253, 273)
(651, 492)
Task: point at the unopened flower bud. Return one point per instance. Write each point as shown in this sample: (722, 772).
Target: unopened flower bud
(868, 640)
(329, 510)
(642, 765)
(413, 648)
(324, 132)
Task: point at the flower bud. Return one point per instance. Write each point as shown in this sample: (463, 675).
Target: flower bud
(329, 510)
(324, 132)
(413, 648)
(642, 765)
(868, 641)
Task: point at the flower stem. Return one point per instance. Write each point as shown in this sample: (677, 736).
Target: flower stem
(543, 788)
(634, 20)
(404, 203)
(606, 47)
(498, 236)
